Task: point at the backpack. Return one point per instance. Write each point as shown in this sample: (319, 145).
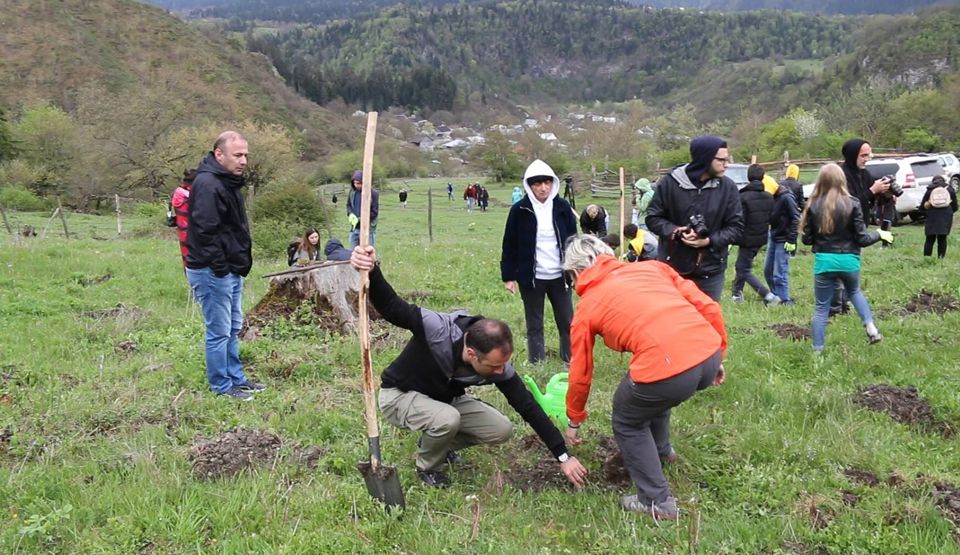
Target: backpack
(939, 198)
(292, 250)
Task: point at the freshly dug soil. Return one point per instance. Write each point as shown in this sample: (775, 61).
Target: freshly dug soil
(948, 499)
(862, 477)
(545, 473)
(242, 448)
(119, 311)
(903, 405)
(792, 331)
(612, 469)
(926, 302)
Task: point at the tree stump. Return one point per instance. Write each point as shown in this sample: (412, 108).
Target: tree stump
(334, 291)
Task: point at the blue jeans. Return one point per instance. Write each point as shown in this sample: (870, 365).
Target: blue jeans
(355, 237)
(469, 204)
(776, 270)
(220, 301)
(823, 293)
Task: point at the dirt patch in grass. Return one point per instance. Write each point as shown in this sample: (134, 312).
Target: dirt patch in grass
(800, 548)
(904, 405)
(792, 331)
(926, 302)
(87, 282)
(545, 473)
(235, 451)
(850, 498)
(948, 499)
(121, 311)
(863, 477)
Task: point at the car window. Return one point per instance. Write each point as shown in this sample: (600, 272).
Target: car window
(951, 159)
(879, 170)
(737, 174)
(926, 168)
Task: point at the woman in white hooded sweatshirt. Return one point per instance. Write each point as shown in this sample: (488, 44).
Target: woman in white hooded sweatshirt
(532, 258)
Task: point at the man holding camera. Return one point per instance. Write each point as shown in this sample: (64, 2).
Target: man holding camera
(696, 213)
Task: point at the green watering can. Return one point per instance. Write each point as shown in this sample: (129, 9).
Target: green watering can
(554, 400)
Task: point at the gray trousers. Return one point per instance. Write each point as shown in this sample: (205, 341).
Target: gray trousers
(712, 286)
(641, 423)
(463, 422)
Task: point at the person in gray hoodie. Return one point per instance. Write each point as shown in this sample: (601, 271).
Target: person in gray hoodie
(532, 256)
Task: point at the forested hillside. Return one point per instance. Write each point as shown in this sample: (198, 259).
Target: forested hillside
(542, 51)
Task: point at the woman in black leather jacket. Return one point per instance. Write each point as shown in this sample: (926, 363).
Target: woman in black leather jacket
(833, 225)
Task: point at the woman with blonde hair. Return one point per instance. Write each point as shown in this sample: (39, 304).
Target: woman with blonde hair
(833, 225)
(677, 338)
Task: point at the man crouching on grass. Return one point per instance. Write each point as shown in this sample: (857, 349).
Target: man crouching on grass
(424, 389)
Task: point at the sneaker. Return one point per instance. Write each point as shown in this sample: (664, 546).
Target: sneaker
(670, 458)
(666, 509)
(435, 479)
(236, 393)
(874, 338)
(771, 299)
(738, 299)
(251, 386)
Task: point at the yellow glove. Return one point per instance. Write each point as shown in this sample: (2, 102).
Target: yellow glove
(354, 220)
(885, 236)
(790, 247)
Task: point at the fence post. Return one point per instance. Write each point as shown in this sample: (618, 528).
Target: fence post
(63, 219)
(430, 213)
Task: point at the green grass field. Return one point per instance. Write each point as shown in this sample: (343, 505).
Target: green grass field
(95, 438)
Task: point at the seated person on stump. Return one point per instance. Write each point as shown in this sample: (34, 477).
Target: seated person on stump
(424, 389)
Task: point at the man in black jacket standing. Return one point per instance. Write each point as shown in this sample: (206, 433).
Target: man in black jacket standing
(424, 389)
(757, 206)
(218, 240)
(692, 198)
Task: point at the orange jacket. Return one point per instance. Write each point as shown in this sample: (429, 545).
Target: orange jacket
(647, 309)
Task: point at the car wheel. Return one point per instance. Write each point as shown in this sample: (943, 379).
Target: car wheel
(955, 183)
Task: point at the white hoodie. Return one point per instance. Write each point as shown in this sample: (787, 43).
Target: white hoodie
(548, 252)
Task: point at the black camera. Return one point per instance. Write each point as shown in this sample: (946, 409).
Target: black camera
(698, 224)
(895, 188)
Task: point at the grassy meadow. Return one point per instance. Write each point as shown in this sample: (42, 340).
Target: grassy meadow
(95, 433)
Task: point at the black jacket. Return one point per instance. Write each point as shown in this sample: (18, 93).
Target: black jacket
(785, 218)
(218, 236)
(518, 258)
(939, 220)
(797, 189)
(335, 251)
(757, 206)
(675, 199)
(354, 200)
(858, 181)
(849, 231)
(432, 362)
(594, 226)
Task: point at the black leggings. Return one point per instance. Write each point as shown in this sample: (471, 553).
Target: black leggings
(941, 245)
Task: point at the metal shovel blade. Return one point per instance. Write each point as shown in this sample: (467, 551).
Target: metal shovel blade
(383, 484)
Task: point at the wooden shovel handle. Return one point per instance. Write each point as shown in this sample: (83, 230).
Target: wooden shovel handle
(366, 359)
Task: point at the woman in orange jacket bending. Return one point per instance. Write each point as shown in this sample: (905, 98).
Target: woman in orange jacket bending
(678, 340)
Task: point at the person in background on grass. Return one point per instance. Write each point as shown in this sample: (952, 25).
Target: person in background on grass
(793, 184)
(353, 209)
(756, 204)
(219, 257)
(403, 198)
(532, 256)
(484, 199)
(333, 199)
(784, 223)
(517, 195)
(470, 196)
(449, 191)
(594, 220)
(424, 389)
(677, 338)
(181, 209)
(642, 195)
(939, 203)
(304, 250)
(833, 225)
(698, 188)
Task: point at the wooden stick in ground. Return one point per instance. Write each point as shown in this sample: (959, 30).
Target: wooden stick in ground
(430, 212)
(366, 359)
(623, 198)
(63, 219)
(54, 215)
(6, 223)
(119, 226)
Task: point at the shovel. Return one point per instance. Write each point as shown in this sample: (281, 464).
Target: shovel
(383, 483)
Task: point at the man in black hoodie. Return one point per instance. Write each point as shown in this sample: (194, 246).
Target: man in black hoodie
(218, 240)
(757, 206)
(698, 189)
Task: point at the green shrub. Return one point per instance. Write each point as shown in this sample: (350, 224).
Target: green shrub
(20, 198)
(281, 216)
(150, 209)
(271, 237)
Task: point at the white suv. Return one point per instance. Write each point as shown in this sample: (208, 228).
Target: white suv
(951, 168)
(913, 173)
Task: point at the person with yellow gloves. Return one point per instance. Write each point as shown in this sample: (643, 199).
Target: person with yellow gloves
(353, 209)
(784, 221)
